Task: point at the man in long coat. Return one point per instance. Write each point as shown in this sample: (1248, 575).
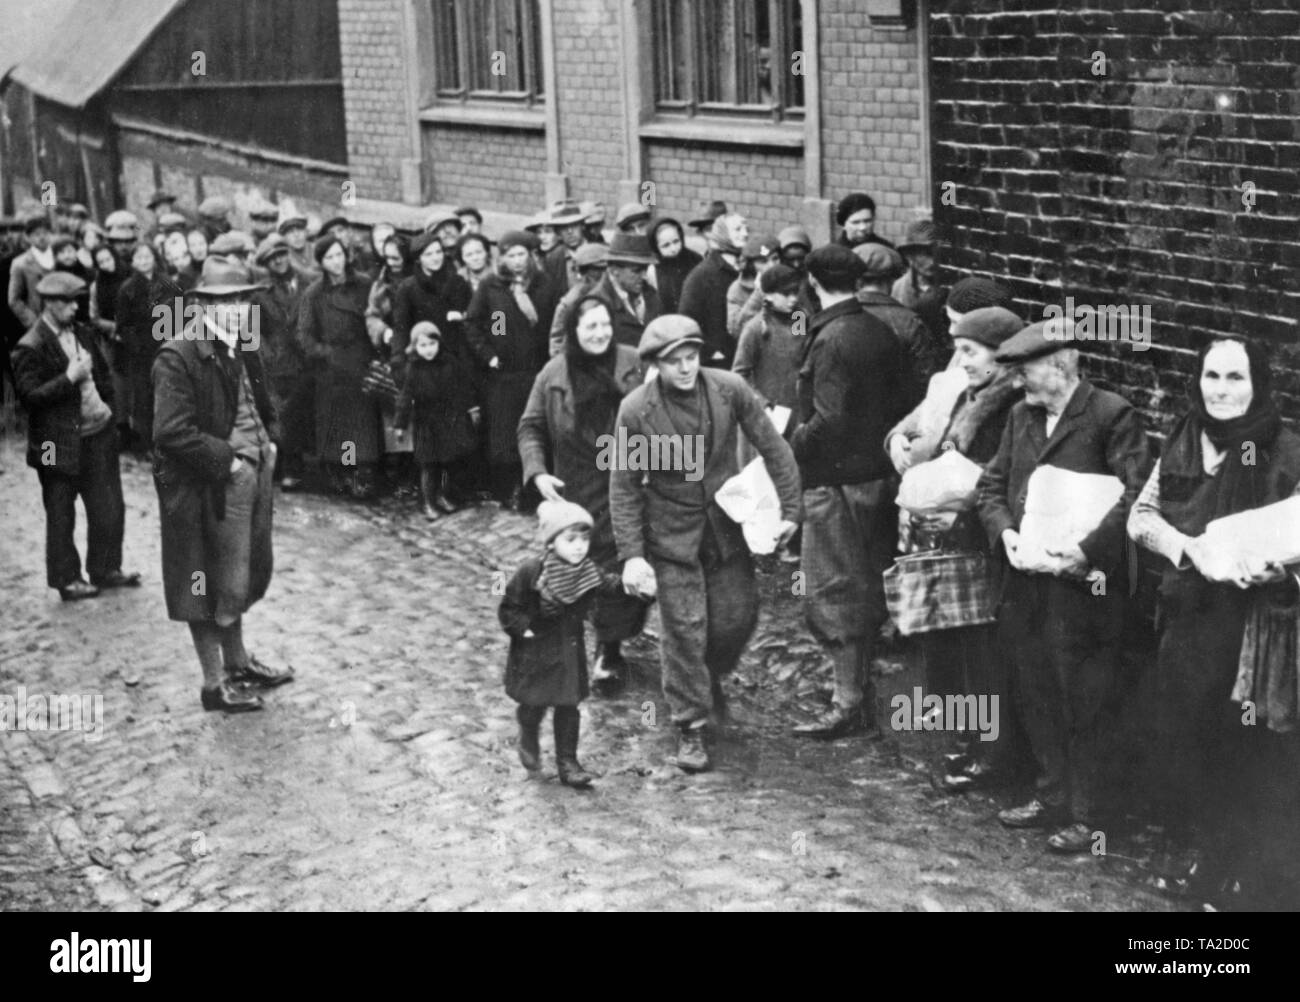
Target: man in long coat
(214, 432)
(672, 536)
(65, 386)
(1062, 633)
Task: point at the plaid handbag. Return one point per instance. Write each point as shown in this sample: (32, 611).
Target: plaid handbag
(935, 590)
(378, 384)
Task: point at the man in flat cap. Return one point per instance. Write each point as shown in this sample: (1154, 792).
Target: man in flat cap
(214, 432)
(214, 216)
(1061, 632)
(294, 231)
(926, 355)
(634, 217)
(854, 383)
(64, 383)
(670, 532)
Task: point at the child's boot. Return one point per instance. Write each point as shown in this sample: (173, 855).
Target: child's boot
(530, 751)
(428, 489)
(567, 726)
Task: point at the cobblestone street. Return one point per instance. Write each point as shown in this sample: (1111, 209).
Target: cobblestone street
(385, 777)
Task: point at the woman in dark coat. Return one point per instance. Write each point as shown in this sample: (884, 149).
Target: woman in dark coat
(433, 292)
(1227, 760)
(332, 332)
(964, 660)
(508, 326)
(574, 401)
(147, 288)
(673, 262)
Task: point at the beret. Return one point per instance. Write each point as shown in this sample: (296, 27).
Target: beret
(422, 242)
(60, 285)
(1030, 343)
(989, 325)
(780, 278)
(974, 293)
(323, 244)
(519, 238)
(854, 203)
(879, 261)
(664, 333)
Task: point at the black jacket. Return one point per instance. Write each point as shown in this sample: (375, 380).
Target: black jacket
(854, 384)
(704, 300)
(429, 297)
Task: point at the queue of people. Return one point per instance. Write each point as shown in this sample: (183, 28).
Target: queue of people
(469, 368)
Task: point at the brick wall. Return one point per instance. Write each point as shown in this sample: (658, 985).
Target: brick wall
(1127, 187)
(872, 114)
(372, 40)
(589, 74)
(502, 169)
(767, 187)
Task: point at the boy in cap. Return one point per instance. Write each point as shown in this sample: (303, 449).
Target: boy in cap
(544, 612)
(64, 383)
(673, 538)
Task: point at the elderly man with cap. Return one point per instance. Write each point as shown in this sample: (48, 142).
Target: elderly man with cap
(214, 216)
(64, 384)
(856, 214)
(634, 217)
(283, 361)
(926, 356)
(854, 383)
(671, 535)
(1062, 632)
(591, 259)
(214, 429)
(918, 288)
(704, 293)
(559, 263)
(29, 267)
(632, 302)
(294, 231)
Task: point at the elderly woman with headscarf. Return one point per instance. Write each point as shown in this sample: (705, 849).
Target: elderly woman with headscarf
(1227, 623)
(962, 660)
(673, 262)
(508, 325)
(573, 403)
(332, 333)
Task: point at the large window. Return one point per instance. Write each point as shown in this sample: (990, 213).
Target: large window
(488, 50)
(729, 57)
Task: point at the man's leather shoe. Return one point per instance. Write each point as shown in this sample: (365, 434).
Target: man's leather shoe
(1071, 839)
(77, 591)
(692, 756)
(119, 580)
(230, 698)
(256, 673)
(1034, 814)
(838, 723)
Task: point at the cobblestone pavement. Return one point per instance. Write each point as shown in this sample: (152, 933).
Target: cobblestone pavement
(385, 777)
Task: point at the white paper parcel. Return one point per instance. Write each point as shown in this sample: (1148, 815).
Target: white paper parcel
(750, 497)
(1061, 508)
(1271, 532)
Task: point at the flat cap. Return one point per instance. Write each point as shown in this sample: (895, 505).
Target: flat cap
(214, 207)
(159, 197)
(632, 212)
(589, 255)
(879, 262)
(60, 285)
(172, 221)
(270, 246)
(663, 334)
(1030, 343)
(121, 218)
(761, 246)
(469, 210)
(293, 222)
(835, 267)
(329, 224)
(36, 221)
(792, 236)
(989, 325)
(231, 242)
(261, 209)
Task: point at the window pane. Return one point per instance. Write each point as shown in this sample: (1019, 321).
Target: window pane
(447, 43)
(794, 41)
(672, 24)
(717, 61)
(535, 84)
(479, 18)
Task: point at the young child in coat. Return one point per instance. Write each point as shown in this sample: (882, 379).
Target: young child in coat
(439, 394)
(544, 609)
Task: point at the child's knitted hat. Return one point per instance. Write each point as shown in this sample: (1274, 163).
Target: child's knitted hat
(553, 517)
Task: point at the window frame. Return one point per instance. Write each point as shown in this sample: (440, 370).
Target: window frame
(450, 49)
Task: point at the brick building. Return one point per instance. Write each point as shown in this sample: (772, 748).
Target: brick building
(1148, 156)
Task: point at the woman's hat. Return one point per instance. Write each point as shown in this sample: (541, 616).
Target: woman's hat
(421, 242)
(425, 328)
(989, 325)
(974, 292)
(553, 517)
(564, 213)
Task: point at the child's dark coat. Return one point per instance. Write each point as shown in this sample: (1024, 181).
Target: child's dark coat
(438, 396)
(550, 668)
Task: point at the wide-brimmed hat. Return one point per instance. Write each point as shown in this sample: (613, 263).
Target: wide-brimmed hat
(223, 278)
(564, 213)
(919, 235)
(630, 248)
(707, 213)
(159, 197)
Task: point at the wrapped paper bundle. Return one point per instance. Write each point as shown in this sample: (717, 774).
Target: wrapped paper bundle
(1269, 533)
(750, 497)
(1061, 508)
(943, 484)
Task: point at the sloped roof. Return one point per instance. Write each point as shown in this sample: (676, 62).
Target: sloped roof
(70, 50)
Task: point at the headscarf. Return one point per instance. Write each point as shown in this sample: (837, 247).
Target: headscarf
(596, 395)
(1240, 485)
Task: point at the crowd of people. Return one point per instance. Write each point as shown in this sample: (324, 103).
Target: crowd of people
(471, 369)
